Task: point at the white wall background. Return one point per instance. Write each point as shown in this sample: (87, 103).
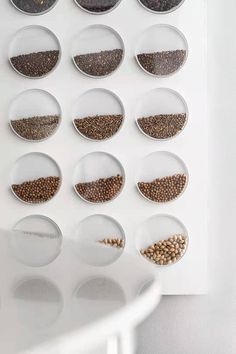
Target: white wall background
(207, 324)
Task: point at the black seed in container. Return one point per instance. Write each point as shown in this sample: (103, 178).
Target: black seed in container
(37, 191)
(101, 63)
(161, 5)
(99, 127)
(162, 190)
(36, 64)
(162, 63)
(97, 5)
(162, 126)
(101, 190)
(36, 128)
(34, 6)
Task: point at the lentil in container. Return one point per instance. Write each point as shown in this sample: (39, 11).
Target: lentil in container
(166, 251)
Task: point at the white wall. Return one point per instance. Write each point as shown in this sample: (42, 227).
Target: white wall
(207, 325)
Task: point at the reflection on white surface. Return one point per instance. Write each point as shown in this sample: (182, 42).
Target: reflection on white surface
(38, 302)
(97, 298)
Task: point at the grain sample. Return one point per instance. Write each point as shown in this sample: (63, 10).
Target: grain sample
(164, 189)
(99, 127)
(34, 6)
(35, 64)
(113, 242)
(162, 126)
(166, 251)
(97, 5)
(161, 5)
(37, 191)
(162, 63)
(101, 63)
(101, 190)
(36, 128)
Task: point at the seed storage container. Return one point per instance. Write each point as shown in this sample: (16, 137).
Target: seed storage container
(38, 184)
(34, 51)
(161, 177)
(99, 240)
(98, 51)
(99, 177)
(161, 114)
(34, 115)
(98, 114)
(161, 50)
(162, 240)
(36, 240)
(34, 7)
(77, 236)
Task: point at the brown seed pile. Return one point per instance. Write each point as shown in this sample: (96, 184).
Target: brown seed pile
(164, 189)
(101, 190)
(162, 126)
(35, 64)
(166, 251)
(99, 127)
(34, 6)
(99, 64)
(37, 191)
(113, 242)
(35, 128)
(97, 5)
(162, 63)
(160, 5)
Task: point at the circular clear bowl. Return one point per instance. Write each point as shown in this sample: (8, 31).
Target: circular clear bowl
(34, 52)
(157, 228)
(96, 240)
(35, 115)
(44, 167)
(162, 6)
(29, 7)
(161, 114)
(98, 114)
(94, 167)
(98, 51)
(38, 302)
(157, 166)
(161, 51)
(36, 240)
(98, 7)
